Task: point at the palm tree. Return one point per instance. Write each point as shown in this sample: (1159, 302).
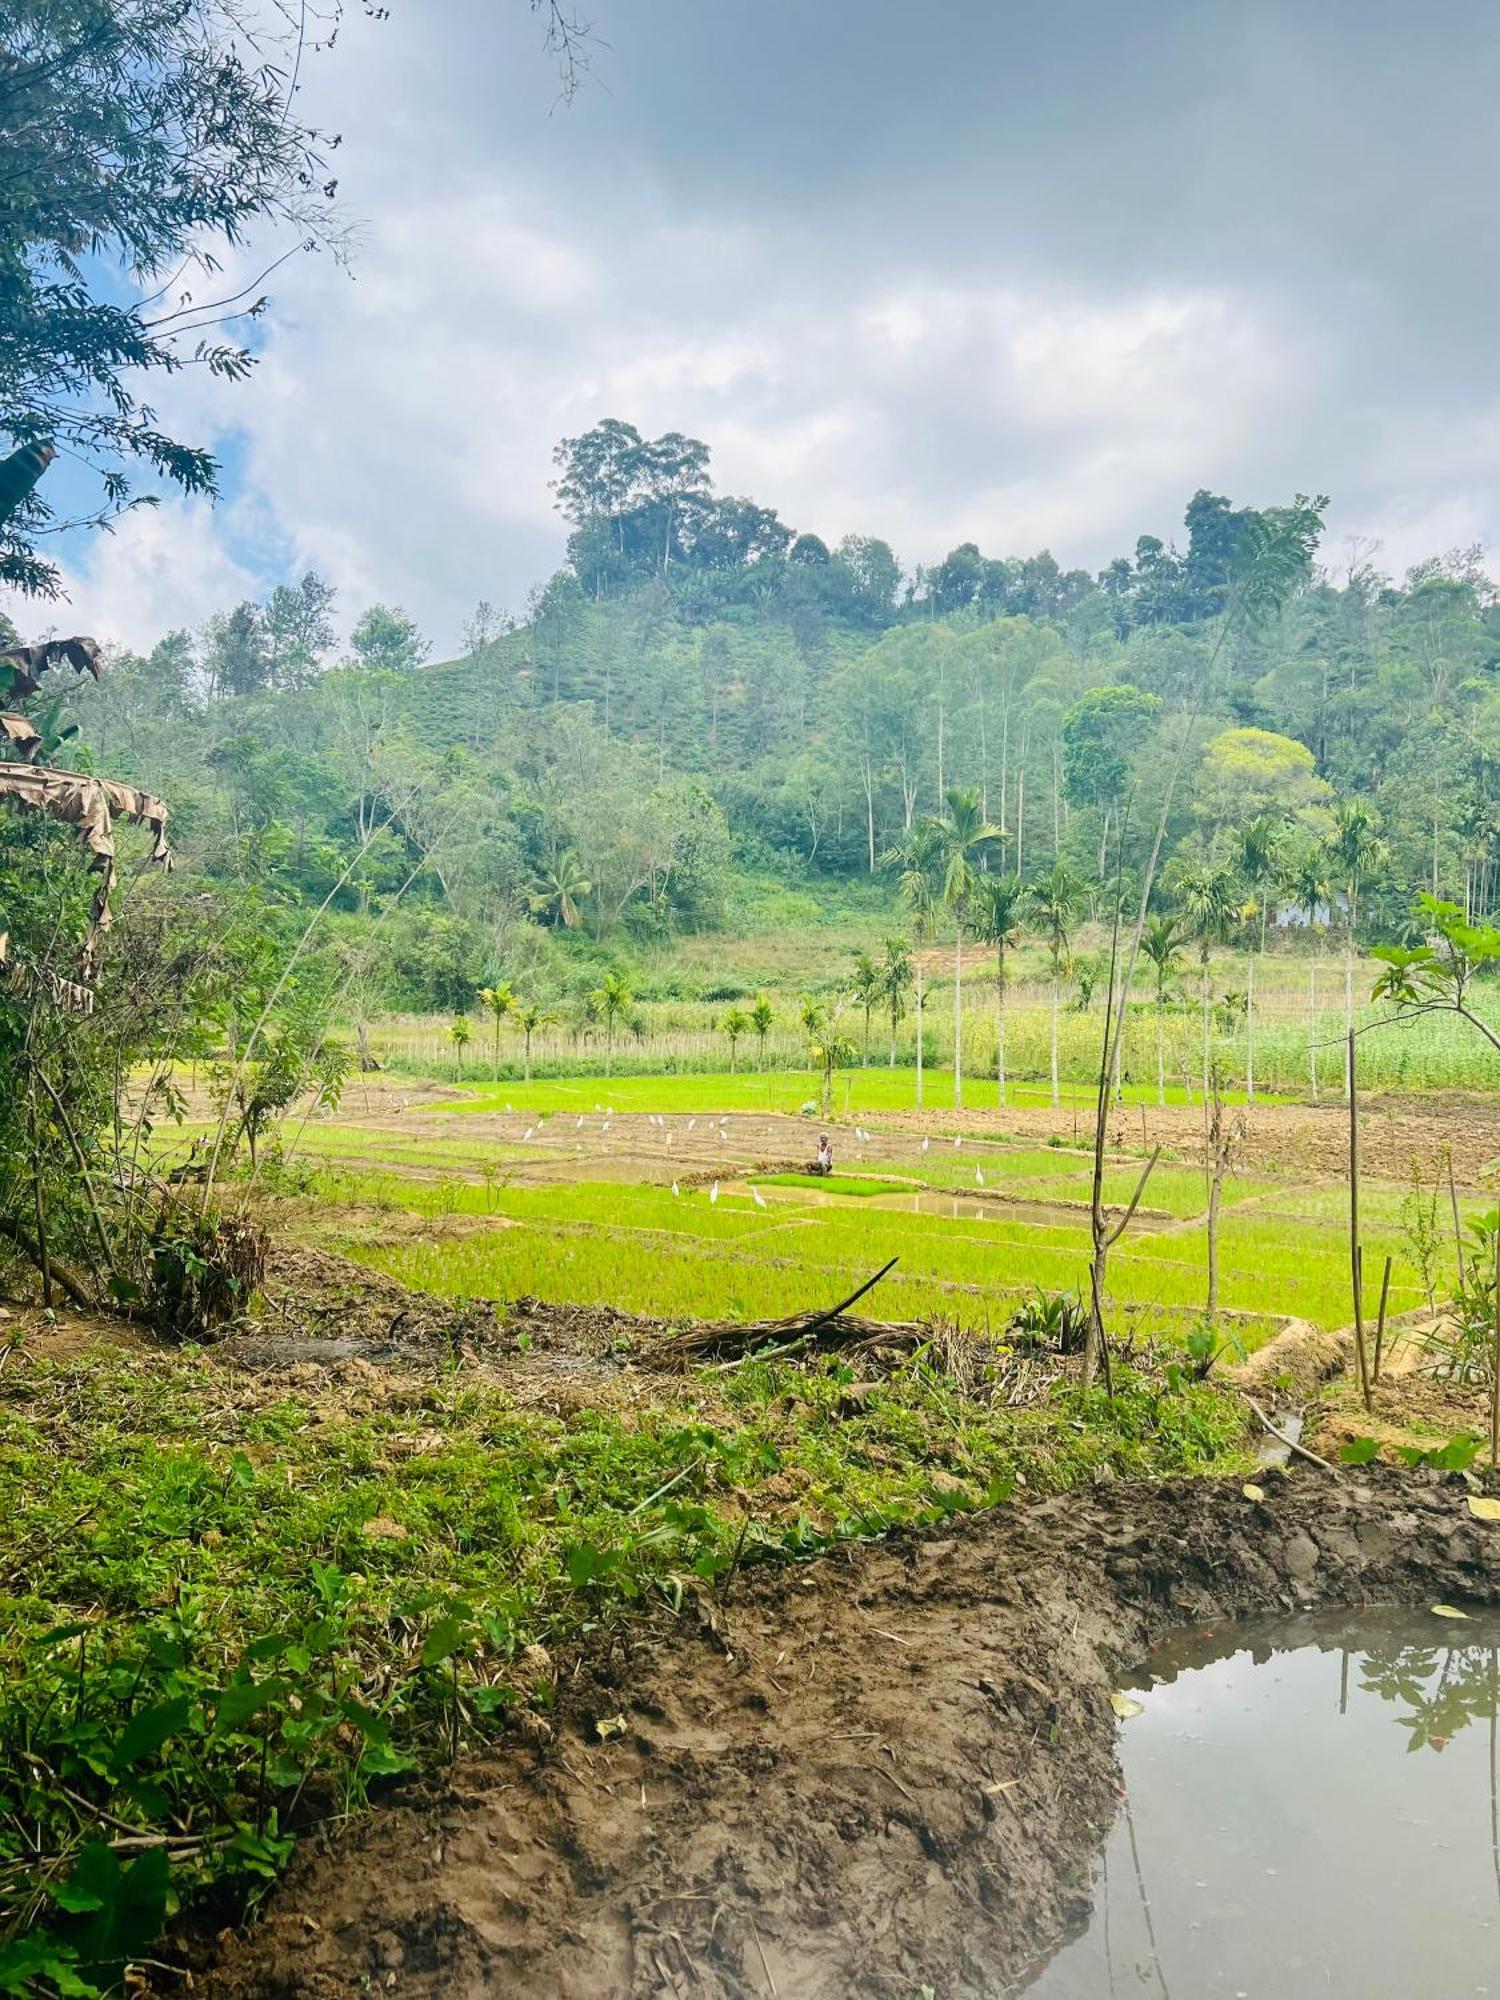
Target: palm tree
(460, 1034)
(1353, 852)
(812, 1018)
(1205, 892)
(608, 1001)
(499, 1001)
(895, 981)
(919, 857)
(1307, 878)
(998, 914)
(563, 888)
(1262, 843)
(761, 1016)
(966, 836)
(1165, 944)
(866, 989)
(529, 1017)
(829, 1051)
(736, 1023)
(1056, 902)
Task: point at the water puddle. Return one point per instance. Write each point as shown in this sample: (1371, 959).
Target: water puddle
(1310, 1809)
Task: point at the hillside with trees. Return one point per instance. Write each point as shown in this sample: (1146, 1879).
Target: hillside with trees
(706, 708)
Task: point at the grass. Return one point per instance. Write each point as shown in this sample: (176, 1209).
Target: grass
(232, 1608)
(645, 1250)
(854, 1185)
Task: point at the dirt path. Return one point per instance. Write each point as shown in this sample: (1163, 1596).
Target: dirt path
(867, 1776)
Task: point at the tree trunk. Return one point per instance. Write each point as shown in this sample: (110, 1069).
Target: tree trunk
(1250, 1031)
(1000, 1024)
(1161, 1057)
(1312, 1025)
(958, 1016)
(1206, 1037)
(527, 1077)
(1056, 999)
(919, 1028)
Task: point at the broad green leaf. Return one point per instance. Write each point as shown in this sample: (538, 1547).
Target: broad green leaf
(442, 1642)
(148, 1729)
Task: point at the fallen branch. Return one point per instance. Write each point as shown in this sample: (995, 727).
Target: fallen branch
(1291, 1444)
(62, 1275)
(835, 1323)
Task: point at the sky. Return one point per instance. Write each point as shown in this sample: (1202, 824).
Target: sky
(1022, 275)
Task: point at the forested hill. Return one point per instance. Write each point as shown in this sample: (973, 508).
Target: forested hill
(704, 705)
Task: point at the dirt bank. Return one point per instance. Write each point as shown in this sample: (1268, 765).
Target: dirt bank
(871, 1775)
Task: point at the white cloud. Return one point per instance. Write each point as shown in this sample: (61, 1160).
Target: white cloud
(161, 568)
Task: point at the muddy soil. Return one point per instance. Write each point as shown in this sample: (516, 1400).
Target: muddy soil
(874, 1774)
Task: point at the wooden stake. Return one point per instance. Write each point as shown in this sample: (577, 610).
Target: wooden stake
(1355, 1271)
(1458, 1233)
(1385, 1293)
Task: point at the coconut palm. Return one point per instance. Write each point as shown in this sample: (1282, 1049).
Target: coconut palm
(1055, 904)
(563, 887)
(531, 1015)
(1307, 877)
(967, 836)
(1353, 852)
(608, 1002)
(499, 1002)
(1206, 898)
(762, 1014)
(736, 1023)
(1164, 942)
(895, 983)
(829, 1051)
(460, 1034)
(999, 909)
(919, 857)
(1261, 845)
(866, 990)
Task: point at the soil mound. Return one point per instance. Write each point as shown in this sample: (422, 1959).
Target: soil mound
(870, 1775)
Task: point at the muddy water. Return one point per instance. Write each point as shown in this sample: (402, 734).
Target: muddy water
(1310, 1809)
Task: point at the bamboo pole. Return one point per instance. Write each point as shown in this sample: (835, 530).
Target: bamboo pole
(1356, 1272)
(1385, 1293)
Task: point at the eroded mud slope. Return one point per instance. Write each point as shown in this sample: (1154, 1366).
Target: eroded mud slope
(866, 1776)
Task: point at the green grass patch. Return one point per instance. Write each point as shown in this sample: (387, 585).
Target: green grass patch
(849, 1184)
(225, 1616)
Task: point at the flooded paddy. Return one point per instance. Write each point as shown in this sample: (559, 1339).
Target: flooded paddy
(1309, 1808)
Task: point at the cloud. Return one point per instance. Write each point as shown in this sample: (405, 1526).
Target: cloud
(162, 567)
(1033, 288)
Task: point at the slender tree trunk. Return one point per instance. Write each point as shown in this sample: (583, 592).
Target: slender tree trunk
(919, 1027)
(1056, 999)
(1215, 1187)
(1206, 1037)
(1349, 992)
(1161, 1055)
(1000, 1023)
(1250, 1031)
(527, 1077)
(609, 1049)
(1312, 1024)
(958, 1016)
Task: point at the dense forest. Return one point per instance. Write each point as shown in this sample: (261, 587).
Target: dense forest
(705, 709)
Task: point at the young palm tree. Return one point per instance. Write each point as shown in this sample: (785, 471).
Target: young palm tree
(966, 837)
(829, 1051)
(563, 888)
(1205, 893)
(919, 858)
(460, 1035)
(1055, 903)
(1354, 851)
(865, 989)
(611, 999)
(499, 1002)
(895, 983)
(1262, 844)
(999, 908)
(736, 1023)
(530, 1016)
(1307, 878)
(762, 1014)
(1165, 944)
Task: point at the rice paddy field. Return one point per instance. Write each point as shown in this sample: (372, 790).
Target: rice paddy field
(684, 1197)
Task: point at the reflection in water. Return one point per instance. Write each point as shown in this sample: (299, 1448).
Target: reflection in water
(1310, 1809)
